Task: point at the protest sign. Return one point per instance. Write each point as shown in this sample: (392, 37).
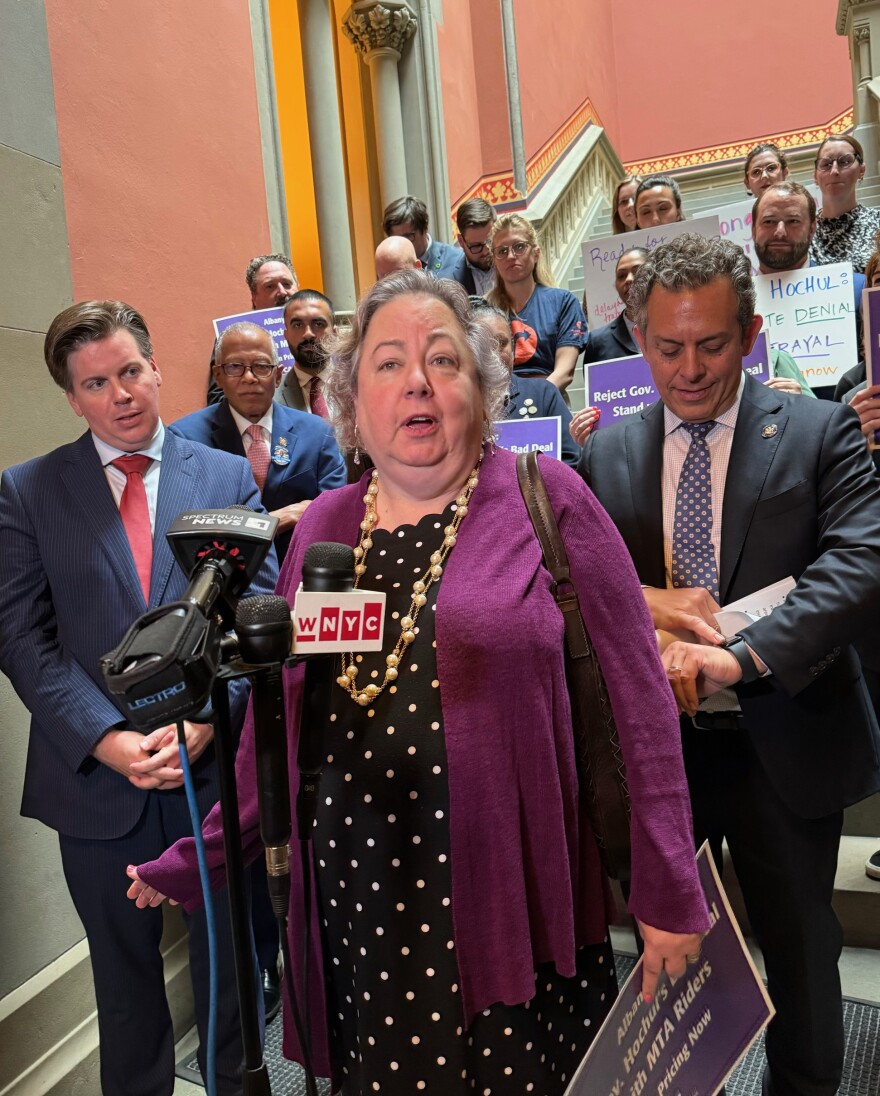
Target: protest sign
(600, 258)
(871, 320)
(272, 319)
(624, 386)
(691, 1036)
(810, 314)
(530, 435)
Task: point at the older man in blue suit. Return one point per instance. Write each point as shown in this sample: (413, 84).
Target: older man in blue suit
(82, 537)
(293, 455)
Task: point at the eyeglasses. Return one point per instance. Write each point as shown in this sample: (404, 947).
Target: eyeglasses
(519, 248)
(261, 370)
(757, 173)
(843, 162)
(476, 249)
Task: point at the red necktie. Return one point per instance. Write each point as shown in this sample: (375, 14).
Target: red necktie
(258, 455)
(135, 514)
(317, 403)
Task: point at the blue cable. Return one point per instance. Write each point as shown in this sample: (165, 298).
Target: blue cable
(211, 1054)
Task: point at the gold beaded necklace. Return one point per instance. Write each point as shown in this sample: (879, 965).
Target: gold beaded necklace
(348, 677)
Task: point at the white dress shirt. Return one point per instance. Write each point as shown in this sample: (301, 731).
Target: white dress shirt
(116, 477)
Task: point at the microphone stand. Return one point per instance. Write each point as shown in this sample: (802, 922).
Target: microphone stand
(254, 1074)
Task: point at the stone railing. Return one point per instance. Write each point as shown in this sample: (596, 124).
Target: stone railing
(566, 206)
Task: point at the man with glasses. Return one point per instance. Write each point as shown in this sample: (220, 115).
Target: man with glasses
(408, 216)
(476, 272)
(293, 455)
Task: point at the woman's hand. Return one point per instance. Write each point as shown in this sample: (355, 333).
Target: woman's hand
(867, 404)
(141, 893)
(582, 423)
(788, 385)
(669, 951)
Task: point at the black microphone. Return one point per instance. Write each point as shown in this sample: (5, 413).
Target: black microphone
(264, 629)
(327, 568)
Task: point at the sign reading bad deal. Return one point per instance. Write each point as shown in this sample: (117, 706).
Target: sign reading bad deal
(624, 386)
(543, 435)
(693, 1033)
(272, 319)
(600, 259)
(810, 313)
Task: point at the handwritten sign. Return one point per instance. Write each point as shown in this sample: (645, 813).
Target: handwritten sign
(624, 386)
(272, 319)
(691, 1036)
(735, 224)
(542, 435)
(810, 313)
(600, 259)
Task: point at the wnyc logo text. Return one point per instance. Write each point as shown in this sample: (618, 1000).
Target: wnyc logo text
(351, 621)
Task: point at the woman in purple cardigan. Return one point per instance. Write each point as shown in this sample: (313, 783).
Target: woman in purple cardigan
(461, 911)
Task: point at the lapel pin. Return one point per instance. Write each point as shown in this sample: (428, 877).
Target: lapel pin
(769, 431)
(280, 455)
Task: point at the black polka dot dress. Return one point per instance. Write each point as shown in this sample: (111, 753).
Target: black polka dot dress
(382, 849)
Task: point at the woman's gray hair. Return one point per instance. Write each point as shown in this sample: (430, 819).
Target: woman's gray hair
(341, 374)
(689, 262)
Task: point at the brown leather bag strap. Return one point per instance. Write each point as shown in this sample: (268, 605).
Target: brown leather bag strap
(534, 492)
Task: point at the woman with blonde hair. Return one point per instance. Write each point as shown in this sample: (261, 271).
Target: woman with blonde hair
(549, 328)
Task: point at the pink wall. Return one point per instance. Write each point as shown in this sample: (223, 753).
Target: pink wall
(458, 86)
(691, 76)
(566, 55)
(162, 167)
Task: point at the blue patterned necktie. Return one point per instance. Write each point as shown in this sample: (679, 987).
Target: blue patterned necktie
(693, 556)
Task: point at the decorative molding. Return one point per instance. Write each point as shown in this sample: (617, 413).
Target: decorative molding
(862, 34)
(499, 190)
(370, 25)
(843, 10)
(705, 157)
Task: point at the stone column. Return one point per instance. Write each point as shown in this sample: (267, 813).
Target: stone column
(514, 107)
(859, 20)
(379, 31)
(328, 159)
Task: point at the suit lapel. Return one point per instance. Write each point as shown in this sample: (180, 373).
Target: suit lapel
(224, 431)
(176, 486)
(644, 456)
(86, 483)
(280, 429)
(760, 425)
(621, 333)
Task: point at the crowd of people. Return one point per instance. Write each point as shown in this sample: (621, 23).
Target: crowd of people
(461, 904)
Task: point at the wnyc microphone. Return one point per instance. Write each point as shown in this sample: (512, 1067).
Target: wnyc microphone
(329, 617)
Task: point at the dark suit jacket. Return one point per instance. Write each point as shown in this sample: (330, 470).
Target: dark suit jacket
(609, 342)
(68, 593)
(801, 498)
(315, 463)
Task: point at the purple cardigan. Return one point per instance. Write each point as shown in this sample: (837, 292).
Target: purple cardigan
(527, 887)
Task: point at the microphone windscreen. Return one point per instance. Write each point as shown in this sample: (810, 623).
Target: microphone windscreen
(329, 556)
(262, 609)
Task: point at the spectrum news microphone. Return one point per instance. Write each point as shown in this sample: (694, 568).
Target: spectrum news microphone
(165, 666)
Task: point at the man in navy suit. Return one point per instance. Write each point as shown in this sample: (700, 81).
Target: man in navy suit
(616, 339)
(408, 216)
(721, 488)
(300, 455)
(82, 536)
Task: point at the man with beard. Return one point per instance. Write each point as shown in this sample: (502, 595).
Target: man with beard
(271, 280)
(476, 273)
(309, 321)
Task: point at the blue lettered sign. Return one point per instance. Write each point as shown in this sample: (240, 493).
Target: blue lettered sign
(272, 319)
(531, 435)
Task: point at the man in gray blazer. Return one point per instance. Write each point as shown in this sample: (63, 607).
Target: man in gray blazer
(720, 489)
(82, 537)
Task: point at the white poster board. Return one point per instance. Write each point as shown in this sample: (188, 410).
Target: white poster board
(600, 259)
(810, 313)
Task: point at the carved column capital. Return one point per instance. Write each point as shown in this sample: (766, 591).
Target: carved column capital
(862, 34)
(372, 25)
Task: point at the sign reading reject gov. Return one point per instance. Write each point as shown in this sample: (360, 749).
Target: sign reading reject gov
(688, 1040)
